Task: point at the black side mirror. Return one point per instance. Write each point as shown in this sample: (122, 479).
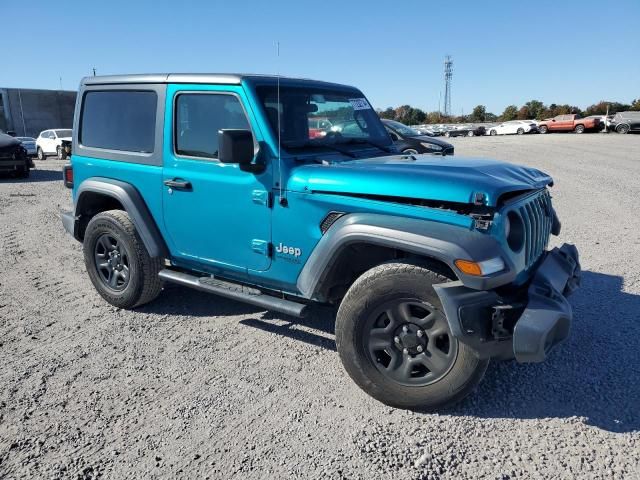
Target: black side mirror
(235, 146)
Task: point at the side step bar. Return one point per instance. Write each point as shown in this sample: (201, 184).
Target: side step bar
(235, 292)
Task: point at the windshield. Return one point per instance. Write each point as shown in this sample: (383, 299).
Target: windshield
(319, 116)
(26, 139)
(402, 129)
(63, 133)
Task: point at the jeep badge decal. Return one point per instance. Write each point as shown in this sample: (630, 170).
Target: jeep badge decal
(296, 252)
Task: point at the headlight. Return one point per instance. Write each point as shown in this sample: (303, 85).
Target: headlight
(507, 226)
(431, 146)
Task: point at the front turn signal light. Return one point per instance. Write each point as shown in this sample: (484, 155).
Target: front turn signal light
(478, 269)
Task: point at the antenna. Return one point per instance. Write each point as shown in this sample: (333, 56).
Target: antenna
(60, 83)
(448, 74)
(94, 71)
(282, 200)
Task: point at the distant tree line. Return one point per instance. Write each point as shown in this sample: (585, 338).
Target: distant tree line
(533, 109)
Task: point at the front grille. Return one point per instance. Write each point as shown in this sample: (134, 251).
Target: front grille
(537, 217)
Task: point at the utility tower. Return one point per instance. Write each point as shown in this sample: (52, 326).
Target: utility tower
(448, 73)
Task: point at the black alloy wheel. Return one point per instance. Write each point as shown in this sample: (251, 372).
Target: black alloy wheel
(112, 262)
(409, 341)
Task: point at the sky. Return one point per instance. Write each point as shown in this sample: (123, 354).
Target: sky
(504, 52)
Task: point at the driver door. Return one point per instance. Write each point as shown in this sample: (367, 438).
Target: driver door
(215, 213)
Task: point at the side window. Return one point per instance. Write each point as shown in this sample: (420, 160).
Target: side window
(199, 117)
(119, 120)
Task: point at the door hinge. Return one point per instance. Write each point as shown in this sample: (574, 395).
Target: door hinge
(261, 246)
(262, 197)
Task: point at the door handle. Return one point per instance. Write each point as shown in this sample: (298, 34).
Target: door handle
(178, 184)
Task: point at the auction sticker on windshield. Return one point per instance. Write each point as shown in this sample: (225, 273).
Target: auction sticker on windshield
(359, 104)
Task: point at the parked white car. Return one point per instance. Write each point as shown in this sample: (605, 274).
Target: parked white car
(514, 127)
(49, 142)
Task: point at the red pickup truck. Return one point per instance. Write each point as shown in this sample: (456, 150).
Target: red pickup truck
(569, 123)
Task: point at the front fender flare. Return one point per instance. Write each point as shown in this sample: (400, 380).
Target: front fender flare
(441, 241)
(133, 203)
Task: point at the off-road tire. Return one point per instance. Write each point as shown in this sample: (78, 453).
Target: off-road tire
(144, 284)
(543, 129)
(41, 154)
(579, 129)
(377, 287)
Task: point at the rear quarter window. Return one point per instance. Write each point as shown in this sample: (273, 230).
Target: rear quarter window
(119, 120)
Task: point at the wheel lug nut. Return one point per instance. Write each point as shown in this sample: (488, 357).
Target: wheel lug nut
(419, 333)
(419, 348)
(405, 329)
(396, 339)
(405, 351)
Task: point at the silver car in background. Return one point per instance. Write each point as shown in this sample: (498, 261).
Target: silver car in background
(29, 143)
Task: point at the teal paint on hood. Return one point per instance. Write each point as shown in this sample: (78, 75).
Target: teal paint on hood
(453, 179)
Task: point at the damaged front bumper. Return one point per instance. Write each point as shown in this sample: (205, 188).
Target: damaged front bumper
(526, 323)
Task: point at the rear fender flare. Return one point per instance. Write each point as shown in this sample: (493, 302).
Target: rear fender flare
(132, 202)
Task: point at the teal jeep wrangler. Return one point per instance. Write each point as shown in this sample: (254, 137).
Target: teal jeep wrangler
(283, 193)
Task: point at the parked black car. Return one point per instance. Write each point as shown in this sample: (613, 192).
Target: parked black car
(625, 122)
(13, 157)
(411, 141)
(466, 132)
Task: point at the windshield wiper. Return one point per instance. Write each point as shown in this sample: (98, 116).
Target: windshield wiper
(330, 146)
(368, 142)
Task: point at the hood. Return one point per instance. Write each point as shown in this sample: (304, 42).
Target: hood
(452, 179)
(432, 140)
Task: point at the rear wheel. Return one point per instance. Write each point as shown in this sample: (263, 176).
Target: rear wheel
(622, 128)
(118, 263)
(579, 129)
(447, 134)
(470, 134)
(543, 129)
(520, 131)
(41, 155)
(394, 340)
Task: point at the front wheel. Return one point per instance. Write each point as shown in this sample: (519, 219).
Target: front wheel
(470, 134)
(410, 151)
(622, 128)
(543, 129)
(41, 155)
(118, 263)
(447, 134)
(520, 131)
(394, 340)
(493, 133)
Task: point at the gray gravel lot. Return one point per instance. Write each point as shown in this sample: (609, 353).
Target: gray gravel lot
(195, 386)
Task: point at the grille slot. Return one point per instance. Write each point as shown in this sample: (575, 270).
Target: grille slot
(537, 218)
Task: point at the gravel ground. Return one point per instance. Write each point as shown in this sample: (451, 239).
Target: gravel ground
(198, 386)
